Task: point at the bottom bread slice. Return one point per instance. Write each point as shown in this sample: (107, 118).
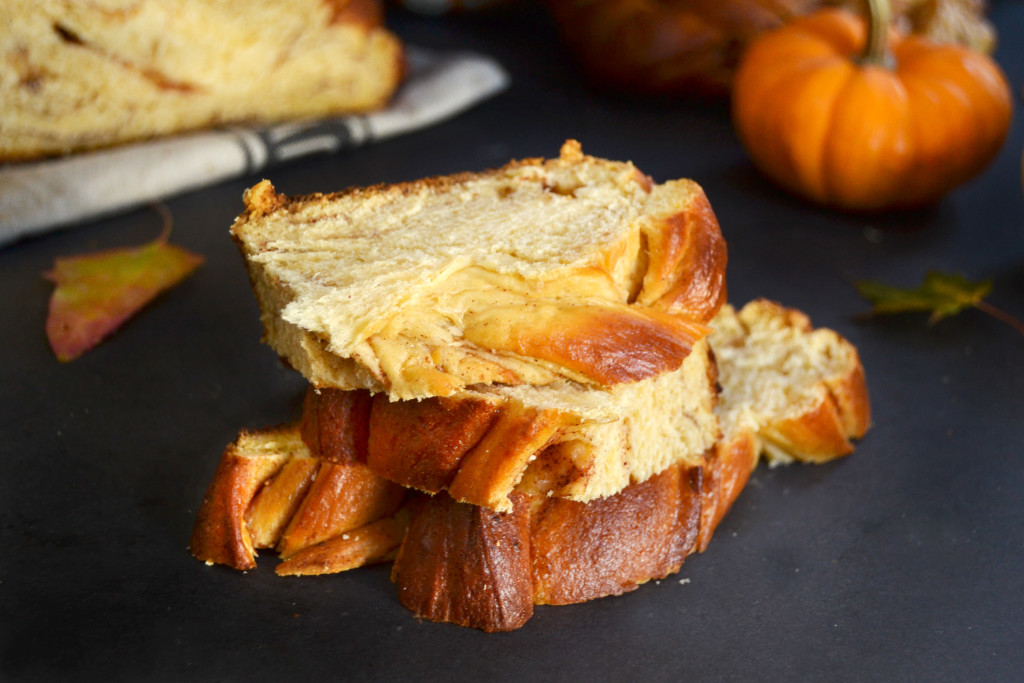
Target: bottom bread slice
(787, 392)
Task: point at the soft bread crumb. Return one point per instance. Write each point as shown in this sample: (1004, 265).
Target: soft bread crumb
(776, 369)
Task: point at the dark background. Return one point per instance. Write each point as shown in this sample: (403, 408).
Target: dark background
(904, 561)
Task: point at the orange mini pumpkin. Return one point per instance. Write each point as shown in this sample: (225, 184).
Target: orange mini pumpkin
(858, 117)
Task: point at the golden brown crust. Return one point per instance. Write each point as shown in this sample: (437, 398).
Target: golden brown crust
(372, 543)
(278, 500)
(220, 534)
(335, 424)
(364, 13)
(341, 498)
(421, 444)
(728, 468)
(687, 268)
(494, 465)
(466, 565)
(609, 344)
(814, 436)
(583, 551)
(850, 394)
(463, 564)
(268, 491)
(260, 200)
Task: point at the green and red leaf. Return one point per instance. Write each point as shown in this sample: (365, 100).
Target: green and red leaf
(940, 294)
(96, 293)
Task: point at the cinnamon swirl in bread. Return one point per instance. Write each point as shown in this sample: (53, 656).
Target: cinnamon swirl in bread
(77, 75)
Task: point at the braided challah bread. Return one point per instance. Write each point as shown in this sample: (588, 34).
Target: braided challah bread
(82, 75)
(469, 565)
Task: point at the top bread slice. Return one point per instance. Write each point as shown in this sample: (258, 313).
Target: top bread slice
(82, 75)
(571, 268)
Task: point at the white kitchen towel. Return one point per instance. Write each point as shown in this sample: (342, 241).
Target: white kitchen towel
(40, 196)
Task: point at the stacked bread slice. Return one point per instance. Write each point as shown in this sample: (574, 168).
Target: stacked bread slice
(515, 387)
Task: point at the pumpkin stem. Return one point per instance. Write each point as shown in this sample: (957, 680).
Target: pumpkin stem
(876, 52)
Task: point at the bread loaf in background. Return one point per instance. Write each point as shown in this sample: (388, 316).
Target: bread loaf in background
(78, 75)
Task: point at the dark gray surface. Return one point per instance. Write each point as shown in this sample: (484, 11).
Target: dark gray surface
(902, 562)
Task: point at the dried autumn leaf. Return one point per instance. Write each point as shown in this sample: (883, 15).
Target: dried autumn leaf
(941, 294)
(96, 293)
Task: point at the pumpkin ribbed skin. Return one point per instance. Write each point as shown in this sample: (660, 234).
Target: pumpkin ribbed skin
(666, 47)
(863, 136)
